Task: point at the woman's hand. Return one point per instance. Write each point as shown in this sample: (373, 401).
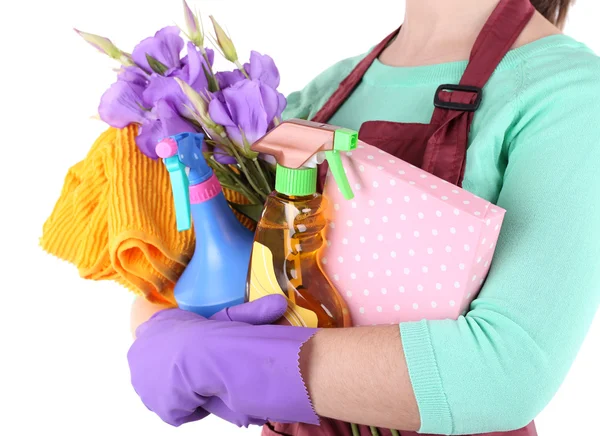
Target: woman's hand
(234, 365)
(141, 311)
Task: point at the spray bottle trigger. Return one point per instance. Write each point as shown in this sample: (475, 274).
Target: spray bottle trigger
(181, 192)
(344, 140)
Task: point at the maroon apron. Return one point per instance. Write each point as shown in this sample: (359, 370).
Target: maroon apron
(439, 147)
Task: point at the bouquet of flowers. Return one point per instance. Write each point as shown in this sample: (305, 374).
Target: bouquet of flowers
(164, 94)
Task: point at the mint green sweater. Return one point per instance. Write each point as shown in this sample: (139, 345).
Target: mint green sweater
(534, 149)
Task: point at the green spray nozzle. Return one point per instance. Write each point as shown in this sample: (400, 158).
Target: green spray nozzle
(299, 146)
(343, 140)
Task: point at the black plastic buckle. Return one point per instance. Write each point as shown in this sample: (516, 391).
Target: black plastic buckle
(465, 107)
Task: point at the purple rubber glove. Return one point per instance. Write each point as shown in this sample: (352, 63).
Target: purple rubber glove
(184, 366)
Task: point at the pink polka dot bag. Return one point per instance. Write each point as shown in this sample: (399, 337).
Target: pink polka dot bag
(409, 245)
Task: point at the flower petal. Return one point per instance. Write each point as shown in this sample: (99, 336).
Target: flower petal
(165, 46)
(228, 78)
(134, 75)
(121, 104)
(281, 105)
(158, 88)
(262, 68)
(149, 134)
(210, 54)
(162, 122)
(165, 88)
(172, 122)
(223, 157)
(219, 113)
(270, 101)
(244, 103)
(193, 73)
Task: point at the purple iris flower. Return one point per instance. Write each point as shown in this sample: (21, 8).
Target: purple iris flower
(126, 107)
(189, 69)
(191, 72)
(225, 79)
(122, 104)
(261, 68)
(162, 121)
(153, 101)
(134, 75)
(247, 105)
(246, 108)
(165, 46)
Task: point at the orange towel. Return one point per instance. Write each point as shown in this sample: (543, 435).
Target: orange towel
(115, 219)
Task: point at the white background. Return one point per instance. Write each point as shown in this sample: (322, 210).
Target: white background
(64, 340)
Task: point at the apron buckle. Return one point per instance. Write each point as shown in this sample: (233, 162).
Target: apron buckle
(457, 106)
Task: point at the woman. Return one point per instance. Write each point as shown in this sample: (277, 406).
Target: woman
(530, 145)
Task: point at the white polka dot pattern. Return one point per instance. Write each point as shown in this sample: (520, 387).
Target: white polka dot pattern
(424, 244)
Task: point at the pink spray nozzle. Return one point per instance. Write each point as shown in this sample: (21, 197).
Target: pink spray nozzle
(166, 148)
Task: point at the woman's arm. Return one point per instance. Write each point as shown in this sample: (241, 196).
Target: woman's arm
(496, 368)
(492, 370)
(141, 311)
(359, 375)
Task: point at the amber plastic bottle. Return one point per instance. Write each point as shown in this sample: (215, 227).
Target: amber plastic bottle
(293, 227)
(291, 231)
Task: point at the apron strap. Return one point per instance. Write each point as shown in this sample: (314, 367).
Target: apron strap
(498, 35)
(341, 94)
(445, 154)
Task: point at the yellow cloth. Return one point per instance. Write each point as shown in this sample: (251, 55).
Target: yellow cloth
(115, 219)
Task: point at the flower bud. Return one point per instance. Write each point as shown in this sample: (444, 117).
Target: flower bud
(224, 42)
(193, 26)
(199, 109)
(199, 104)
(105, 45)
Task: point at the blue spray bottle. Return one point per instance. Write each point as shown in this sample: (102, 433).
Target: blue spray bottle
(215, 278)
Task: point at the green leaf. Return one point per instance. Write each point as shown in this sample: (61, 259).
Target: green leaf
(213, 86)
(252, 211)
(157, 66)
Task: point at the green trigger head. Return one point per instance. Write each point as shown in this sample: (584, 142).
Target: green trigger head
(344, 140)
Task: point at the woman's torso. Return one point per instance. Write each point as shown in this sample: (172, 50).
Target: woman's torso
(530, 84)
(514, 94)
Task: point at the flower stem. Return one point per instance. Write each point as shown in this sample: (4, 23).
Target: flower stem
(269, 171)
(240, 185)
(235, 188)
(262, 175)
(249, 195)
(355, 431)
(210, 70)
(242, 69)
(247, 173)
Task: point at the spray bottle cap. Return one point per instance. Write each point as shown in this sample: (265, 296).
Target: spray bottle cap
(179, 152)
(299, 146)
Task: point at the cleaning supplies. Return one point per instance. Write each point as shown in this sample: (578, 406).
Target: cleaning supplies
(216, 275)
(290, 234)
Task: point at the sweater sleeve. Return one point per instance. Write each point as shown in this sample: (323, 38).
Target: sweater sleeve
(498, 366)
